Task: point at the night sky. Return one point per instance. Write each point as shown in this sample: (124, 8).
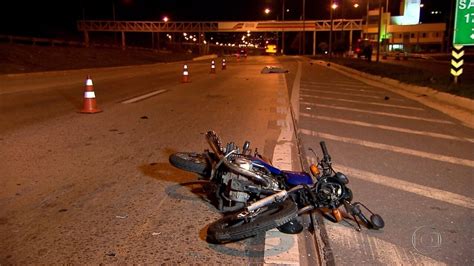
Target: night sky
(54, 18)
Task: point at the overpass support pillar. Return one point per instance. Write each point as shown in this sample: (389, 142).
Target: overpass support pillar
(350, 41)
(314, 43)
(123, 40)
(86, 38)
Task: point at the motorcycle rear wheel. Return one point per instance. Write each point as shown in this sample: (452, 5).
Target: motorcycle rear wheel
(191, 162)
(234, 228)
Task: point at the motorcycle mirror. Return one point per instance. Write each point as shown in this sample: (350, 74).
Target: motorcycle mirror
(246, 146)
(377, 221)
(342, 178)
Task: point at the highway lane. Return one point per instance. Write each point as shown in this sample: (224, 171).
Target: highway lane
(410, 163)
(105, 181)
(98, 188)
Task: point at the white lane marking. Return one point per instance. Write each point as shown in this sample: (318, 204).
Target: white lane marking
(282, 159)
(406, 186)
(377, 113)
(350, 94)
(422, 154)
(362, 102)
(351, 88)
(403, 130)
(338, 83)
(142, 97)
(295, 91)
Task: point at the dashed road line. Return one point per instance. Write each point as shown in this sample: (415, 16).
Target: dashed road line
(397, 129)
(361, 102)
(143, 97)
(377, 113)
(375, 145)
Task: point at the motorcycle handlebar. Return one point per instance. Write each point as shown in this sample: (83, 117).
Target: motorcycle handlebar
(325, 150)
(361, 216)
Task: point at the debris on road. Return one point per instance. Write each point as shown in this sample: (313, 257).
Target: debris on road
(273, 69)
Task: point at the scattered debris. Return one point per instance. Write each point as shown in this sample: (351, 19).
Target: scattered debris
(386, 98)
(273, 69)
(110, 254)
(62, 210)
(144, 117)
(156, 234)
(121, 217)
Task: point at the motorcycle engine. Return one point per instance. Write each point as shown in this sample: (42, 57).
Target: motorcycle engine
(239, 187)
(330, 193)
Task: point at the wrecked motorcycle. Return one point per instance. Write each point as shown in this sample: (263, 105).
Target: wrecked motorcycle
(235, 176)
(264, 197)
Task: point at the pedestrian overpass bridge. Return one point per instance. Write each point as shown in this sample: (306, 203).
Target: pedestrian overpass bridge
(314, 26)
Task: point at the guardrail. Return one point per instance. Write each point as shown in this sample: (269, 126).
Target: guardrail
(38, 41)
(58, 42)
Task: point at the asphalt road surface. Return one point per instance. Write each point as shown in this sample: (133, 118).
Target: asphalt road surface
(409, 163)
(98, 188)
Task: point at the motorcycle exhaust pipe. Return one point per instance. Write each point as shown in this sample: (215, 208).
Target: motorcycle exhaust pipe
(277, 197)
(280, 196)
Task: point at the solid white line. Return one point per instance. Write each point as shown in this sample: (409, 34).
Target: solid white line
(282, 159)
(403, 130)
(406, 186)
(295, 91)
(422, 154)
(142, 97)
(377, 113)
(349, 94)
(371, 103)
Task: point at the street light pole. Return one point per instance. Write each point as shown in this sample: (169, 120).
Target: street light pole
(304, 30)
(379, 30)
(283, 29)
(330, 32)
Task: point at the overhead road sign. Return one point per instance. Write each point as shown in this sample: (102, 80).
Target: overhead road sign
(464, 23)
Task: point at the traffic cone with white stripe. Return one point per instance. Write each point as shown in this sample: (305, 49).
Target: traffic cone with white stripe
(224, 66)
(185, 78)
(213, 67)
(89, 103)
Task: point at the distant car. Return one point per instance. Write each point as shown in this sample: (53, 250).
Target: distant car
(243, 53)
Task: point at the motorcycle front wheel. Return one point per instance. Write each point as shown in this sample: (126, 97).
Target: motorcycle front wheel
(191, 162)
(238, 226)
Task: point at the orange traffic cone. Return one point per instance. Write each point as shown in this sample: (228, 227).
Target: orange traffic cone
(213, 67)
(89, 105)
(185, 78)
(223, 64)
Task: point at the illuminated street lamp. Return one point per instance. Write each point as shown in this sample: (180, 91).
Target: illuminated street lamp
(333, 7)
(267, 11)
(165, 19)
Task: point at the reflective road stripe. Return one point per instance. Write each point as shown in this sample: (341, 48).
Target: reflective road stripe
(422, 154)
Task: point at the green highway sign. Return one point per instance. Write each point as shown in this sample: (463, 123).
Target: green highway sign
(464, 23)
